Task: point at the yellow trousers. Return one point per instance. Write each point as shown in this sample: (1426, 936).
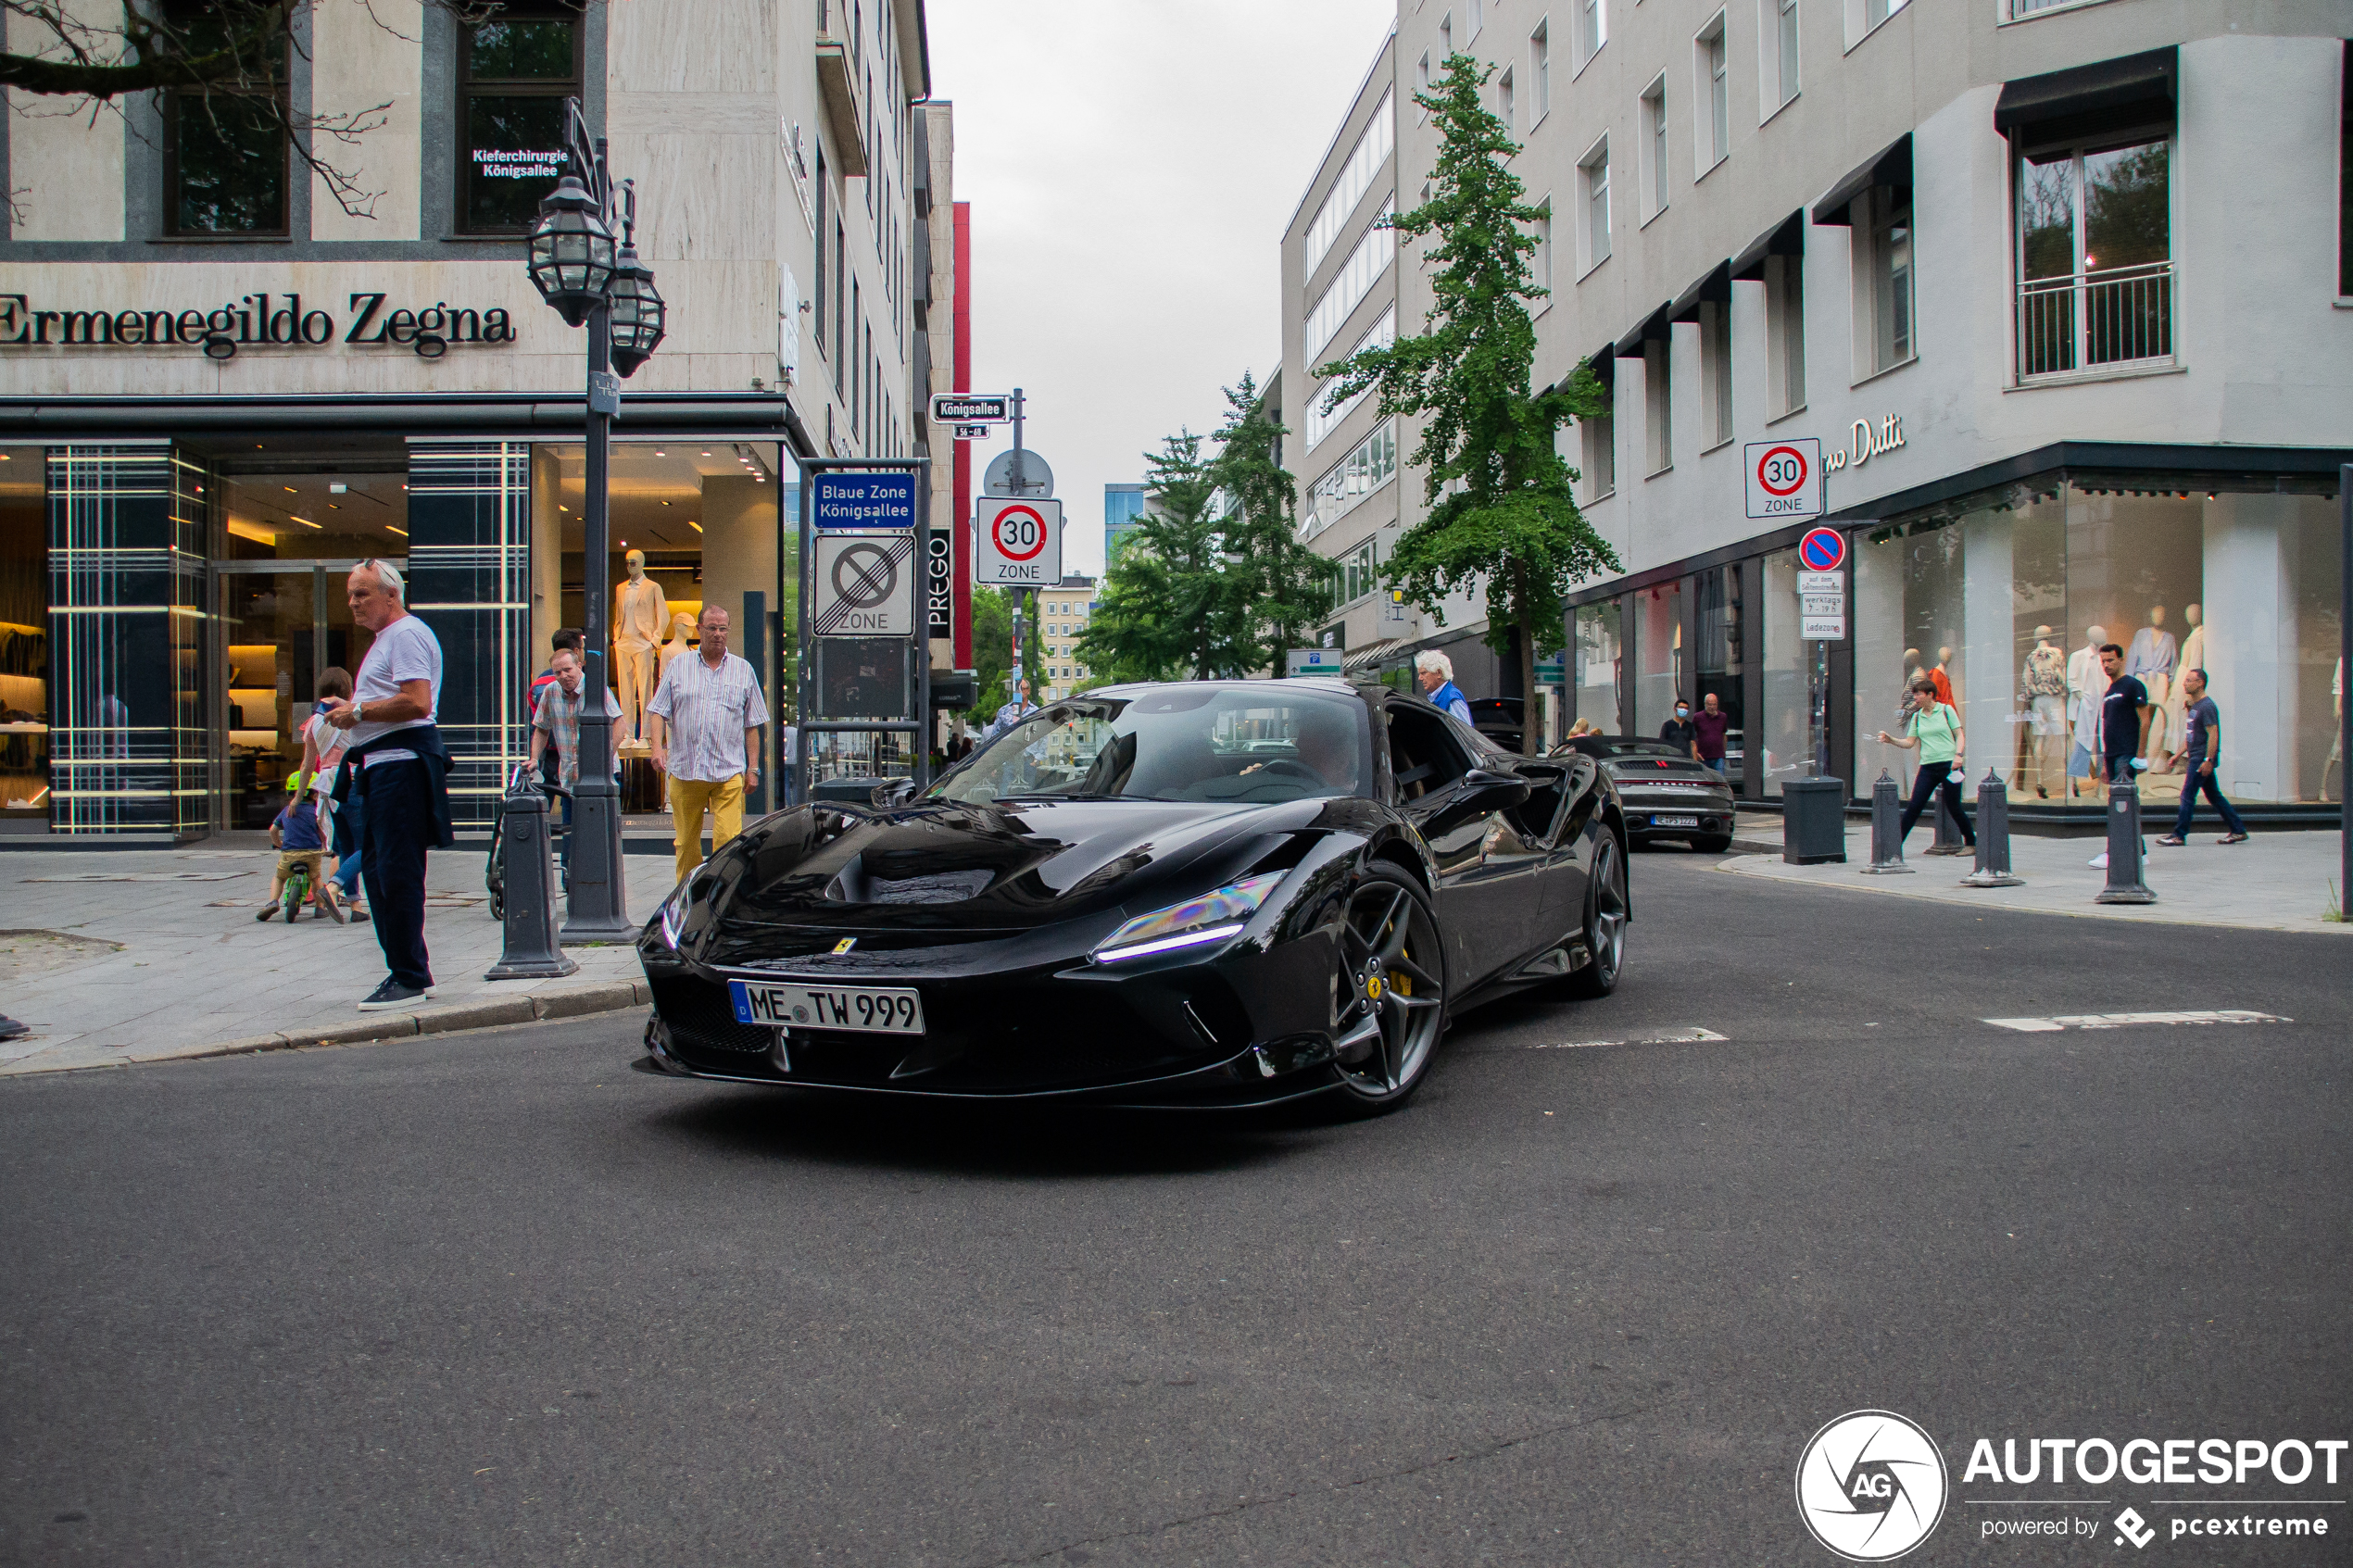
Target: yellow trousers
(688, 799)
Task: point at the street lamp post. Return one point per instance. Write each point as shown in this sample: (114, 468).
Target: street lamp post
(579, 268)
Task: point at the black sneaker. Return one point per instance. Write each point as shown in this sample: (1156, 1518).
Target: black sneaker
(10, 1029)
(265, 911)
(390, 994)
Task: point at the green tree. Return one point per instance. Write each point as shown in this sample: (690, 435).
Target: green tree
(1287, 587)
(1501, 513)
(1173, 604)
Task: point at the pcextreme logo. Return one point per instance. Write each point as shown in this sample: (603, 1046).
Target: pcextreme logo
(1870, 1486)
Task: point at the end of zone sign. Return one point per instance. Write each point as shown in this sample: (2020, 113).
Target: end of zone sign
(1785, 478)
(852, 499)
(1018, 542)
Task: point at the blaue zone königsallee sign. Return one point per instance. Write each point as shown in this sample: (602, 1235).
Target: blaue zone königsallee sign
(260, 320)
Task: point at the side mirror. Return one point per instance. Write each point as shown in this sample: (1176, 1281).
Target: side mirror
(1478, 793)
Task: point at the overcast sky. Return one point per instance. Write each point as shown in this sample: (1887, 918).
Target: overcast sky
(1131, 166)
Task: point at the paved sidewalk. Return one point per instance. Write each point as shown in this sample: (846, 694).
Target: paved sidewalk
(119, 955)
(2274, 882)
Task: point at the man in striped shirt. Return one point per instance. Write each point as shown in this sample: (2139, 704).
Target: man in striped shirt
(705, 718)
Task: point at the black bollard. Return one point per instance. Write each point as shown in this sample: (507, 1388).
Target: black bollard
(1992, 836)
(1887, 838)
(2124, 876)
(532, 952)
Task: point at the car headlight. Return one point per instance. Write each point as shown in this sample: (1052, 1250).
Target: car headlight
(672, 914)
(1212, 917)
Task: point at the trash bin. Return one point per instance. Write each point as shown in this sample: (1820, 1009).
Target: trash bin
(1813, 821)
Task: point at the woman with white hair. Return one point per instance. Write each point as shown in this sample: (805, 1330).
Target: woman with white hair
(1436, 672)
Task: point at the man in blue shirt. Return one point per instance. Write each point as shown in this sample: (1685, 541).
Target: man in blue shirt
(1012, 712)
(1436, 672)
(2203, 724)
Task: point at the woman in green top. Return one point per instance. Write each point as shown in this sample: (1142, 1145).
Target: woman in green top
(1936, 728)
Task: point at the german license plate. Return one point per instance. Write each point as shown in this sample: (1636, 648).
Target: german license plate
(1674, 821)
(869, 1009)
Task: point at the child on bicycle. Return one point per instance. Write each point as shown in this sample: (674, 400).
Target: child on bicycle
(295, 834)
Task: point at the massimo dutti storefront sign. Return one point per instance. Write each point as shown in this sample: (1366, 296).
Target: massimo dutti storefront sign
(260, 320)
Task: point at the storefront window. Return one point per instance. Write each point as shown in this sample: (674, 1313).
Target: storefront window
(1719, 606)
(2004, 598)
(1600, 664)
(1784, 747)
(1658, 656)
(518, 70)
(24, 644)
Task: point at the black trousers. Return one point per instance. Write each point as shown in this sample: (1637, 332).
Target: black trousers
(400, 829)
(1933, 777)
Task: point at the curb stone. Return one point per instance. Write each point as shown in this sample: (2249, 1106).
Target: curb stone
(584, 1001)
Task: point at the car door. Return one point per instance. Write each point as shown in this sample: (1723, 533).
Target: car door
(1488, 892)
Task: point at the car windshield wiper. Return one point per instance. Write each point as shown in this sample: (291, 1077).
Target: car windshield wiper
(1073, 794)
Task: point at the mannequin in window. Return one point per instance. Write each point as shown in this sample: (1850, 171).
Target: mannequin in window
(2192, 658)
(682, 634)
(640, 614)
(2043, 684)
(2151, 659)
(1942, 675)
(2086, 684)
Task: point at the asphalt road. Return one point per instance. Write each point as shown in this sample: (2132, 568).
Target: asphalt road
(498, 1300)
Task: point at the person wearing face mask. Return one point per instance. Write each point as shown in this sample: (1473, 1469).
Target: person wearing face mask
(1680, 733)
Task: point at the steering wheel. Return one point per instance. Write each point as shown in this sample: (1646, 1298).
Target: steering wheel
(1289, 768)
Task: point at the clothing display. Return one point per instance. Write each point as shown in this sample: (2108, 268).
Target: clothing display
(681, 631)
(2150, 658)
(2043, 681)
(2086, 684)
(640, 616)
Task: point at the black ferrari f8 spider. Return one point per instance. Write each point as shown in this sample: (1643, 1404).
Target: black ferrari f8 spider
(1205, 894)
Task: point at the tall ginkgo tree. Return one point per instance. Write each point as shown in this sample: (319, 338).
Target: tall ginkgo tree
(1501, 513)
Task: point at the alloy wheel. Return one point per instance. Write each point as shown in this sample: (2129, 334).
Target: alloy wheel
(1390, 989)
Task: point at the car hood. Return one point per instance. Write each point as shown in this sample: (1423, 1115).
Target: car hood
(943, 866)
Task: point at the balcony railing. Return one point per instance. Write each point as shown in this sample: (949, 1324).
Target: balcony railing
(2117, 317)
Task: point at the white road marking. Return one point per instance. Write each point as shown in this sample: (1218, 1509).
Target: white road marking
(1668, 1038)
(2124, 1020)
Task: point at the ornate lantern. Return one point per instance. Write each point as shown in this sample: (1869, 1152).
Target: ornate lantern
(637, 314)
(571, 251)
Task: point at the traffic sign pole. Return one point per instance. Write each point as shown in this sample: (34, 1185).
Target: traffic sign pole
(805, 644)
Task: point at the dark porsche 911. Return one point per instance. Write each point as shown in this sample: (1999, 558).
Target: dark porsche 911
(1196, 893)
(1667, 793)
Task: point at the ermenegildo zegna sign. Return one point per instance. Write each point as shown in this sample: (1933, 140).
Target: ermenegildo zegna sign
(255, 320)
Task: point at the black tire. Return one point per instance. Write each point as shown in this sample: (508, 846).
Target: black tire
(1606, 913)
(497, 905)
(1392, 977)
(1713, 844)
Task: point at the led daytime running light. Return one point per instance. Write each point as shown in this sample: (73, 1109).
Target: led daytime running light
(1214, 916)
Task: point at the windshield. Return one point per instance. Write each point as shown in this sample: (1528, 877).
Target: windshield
(1249, 744)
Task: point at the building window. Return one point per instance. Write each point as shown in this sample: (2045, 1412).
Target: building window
(1889, 285)
(1714, 126)
(1540, 71)
(515, 72)
(2094, 257)
(225, 154)
(1654, 148)
(1477, 18)
(1322, 422)
(1592, 30)
(1777, 52)
(1421, 88)
(1600, 441)
(1658, 404)
(2345, 184)
(1355, 177)
(1372, 465)
(1716, 368)
(1505, 101)
(1786, 331)
(1446, 36)
(818, 314)
(1877, 11)
(1358, 573)
(1354, 280)
(1593, 170)
(1541, 262)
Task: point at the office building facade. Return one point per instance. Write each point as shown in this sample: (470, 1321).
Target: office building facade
(2060, 291)
(220, 387)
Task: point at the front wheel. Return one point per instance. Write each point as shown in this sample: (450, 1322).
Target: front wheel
(1607, 912)
(1389, 997)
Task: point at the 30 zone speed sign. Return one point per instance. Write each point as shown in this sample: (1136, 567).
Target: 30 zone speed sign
(1018, 542)
(1785, 478)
